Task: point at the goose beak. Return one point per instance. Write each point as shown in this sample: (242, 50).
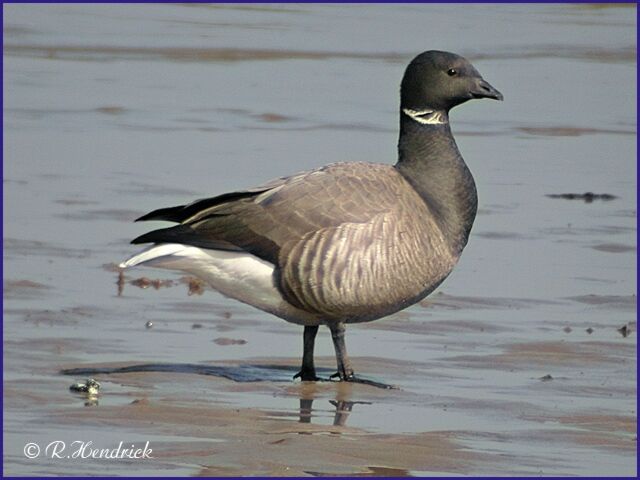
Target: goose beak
(483, 89)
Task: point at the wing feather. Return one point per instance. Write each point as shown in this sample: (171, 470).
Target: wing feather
(262, 220)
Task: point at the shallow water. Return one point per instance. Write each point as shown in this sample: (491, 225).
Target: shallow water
(515, 366)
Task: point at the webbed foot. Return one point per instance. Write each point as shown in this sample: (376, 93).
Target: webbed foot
(307, 375)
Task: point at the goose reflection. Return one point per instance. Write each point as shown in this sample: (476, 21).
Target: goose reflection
(343, 409)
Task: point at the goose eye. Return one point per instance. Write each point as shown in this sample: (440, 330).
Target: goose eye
(452, 72)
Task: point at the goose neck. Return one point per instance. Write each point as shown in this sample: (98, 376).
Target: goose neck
(429, 159)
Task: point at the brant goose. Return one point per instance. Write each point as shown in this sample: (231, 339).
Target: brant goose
(348, 242)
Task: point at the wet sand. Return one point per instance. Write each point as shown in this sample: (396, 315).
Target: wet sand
(522, 363)
(477, 399)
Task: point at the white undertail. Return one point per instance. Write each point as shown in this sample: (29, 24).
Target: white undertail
(238, 275)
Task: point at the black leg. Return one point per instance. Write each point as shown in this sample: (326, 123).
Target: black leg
(345, 371)
(308, 370)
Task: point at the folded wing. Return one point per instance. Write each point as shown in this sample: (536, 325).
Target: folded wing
(263, 220)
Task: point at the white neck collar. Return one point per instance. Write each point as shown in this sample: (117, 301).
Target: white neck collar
(427, 116)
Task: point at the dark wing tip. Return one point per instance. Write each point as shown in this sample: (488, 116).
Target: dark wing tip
(149, 237)
(186, 235)
(170, 214)
(181, 213)
(177, 234)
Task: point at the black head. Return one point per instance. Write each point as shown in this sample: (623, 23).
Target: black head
(440, 81)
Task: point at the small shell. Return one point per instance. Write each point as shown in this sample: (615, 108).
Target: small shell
(90, 387)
